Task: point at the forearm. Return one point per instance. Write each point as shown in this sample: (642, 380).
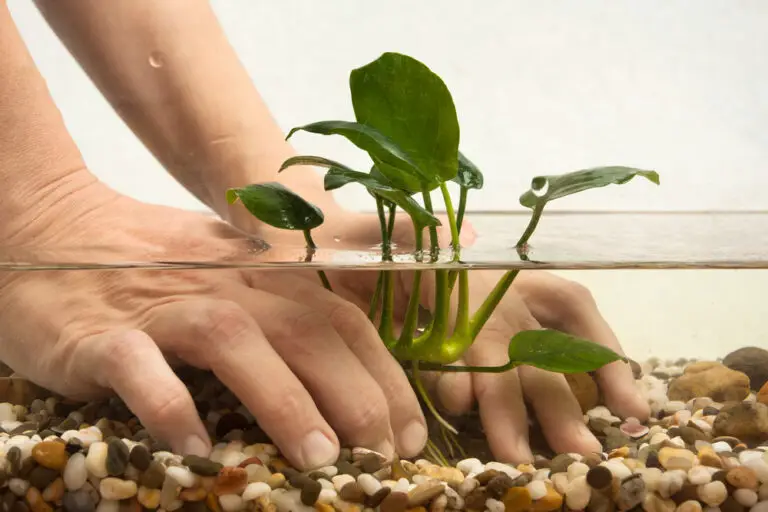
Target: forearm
(168, 70)
(40, 164)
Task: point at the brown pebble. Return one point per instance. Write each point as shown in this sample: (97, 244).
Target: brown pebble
(424, 493)
(36, 502)
(193, 494)
(51, 454)
(377, 497)
(517, 499)
(476, 499)
(399, 471)
(310, 492)
(346, 468)
(600, 478)
(213, 503)
(371, 463)
(41, 477)
(323, 507)
(560, 463)
(498, 486)
(55, 491)
(742, 477)
(396, 502)
(154, 476)
(139, 457)
(352, 492)
(231, 481)
(486, 476)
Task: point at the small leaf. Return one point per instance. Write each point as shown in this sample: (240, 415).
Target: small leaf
(336, 178)
(548, 188)
(277, 206)
(411, 105)
(394, 163)
(318, 161)
(556, 351)
(469, 176)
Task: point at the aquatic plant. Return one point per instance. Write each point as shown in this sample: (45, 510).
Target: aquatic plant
(405, 119)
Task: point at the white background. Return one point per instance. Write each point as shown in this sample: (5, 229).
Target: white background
(541, 87)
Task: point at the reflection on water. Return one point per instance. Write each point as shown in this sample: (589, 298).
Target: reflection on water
(562, 241)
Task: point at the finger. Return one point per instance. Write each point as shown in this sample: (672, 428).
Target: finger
(558, 411)
(362, 338)
(131, 364)
(562, 304)
(345, 391)
(500, 399)
(221, 336)
(454, 390)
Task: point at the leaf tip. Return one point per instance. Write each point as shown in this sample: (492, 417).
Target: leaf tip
(232, 195)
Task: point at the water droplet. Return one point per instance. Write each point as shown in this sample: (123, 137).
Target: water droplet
(337, 238)
(540, 187)
(156, 59)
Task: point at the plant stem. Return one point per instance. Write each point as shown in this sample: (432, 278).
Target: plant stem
(484, 312)
(311, 247)
(376, 297)
(462, 315)
(419, 385)
(386, 249)
(433, 247)
(462, 207)
(436, 367)
(412, 313)
(451, 221)
(391, 226)
(386, 327)
(537, 211)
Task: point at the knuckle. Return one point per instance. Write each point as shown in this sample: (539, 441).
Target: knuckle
(349, 321)
(369, 415)
(284, 408)
(300, 325)
(222, 322)
(166, 408)
(576, 294)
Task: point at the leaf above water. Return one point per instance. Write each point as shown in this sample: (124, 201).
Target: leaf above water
(411, 105)
(468, 176)
(559, 352)
(277, 206)
(548, 188)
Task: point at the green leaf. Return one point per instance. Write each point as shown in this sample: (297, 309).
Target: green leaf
(277, 206)
(336, 178)
(469, 176)
(548, 188)
(317, 161)
(556, 351)
(409, 104)
(394, 163)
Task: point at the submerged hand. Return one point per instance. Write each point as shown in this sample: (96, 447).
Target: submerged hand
(306, 363)
(536, 299)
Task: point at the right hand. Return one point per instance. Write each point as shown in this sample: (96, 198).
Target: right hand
(311, 368)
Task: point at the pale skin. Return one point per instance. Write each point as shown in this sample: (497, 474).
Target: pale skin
(288, 348)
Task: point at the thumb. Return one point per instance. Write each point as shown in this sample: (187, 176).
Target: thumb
(132, 365)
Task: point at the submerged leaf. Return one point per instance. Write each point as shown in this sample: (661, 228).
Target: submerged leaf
(548, 188)
(277, 206)
(393, 161)
(469, 176)
(336, 178)
(556, 351)
(411, 105)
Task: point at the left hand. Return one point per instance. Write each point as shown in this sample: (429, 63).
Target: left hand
(536, 299)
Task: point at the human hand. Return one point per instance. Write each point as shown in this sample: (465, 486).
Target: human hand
(306, 363)
(536, 299)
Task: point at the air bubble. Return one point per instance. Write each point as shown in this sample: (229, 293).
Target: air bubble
(540, 187)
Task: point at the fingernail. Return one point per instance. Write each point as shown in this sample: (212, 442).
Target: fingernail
(317, 450)
(194, 445)
(412, 438)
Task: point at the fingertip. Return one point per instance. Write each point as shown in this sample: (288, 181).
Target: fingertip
(622, 395)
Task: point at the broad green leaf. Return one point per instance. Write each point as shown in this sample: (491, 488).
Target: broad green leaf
(336, 178)
(556, 351)
(548, 188)
(394, 163)
(409, 104)
(469, 176)
(277, 206)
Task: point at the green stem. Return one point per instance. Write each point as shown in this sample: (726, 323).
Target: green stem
(311, 247)
(484, 312)
(386, 250)
(462, 207)
(386, 327)
(412, 313)
(427, 401)
(451, 221)
(391, 226)
(537, 211)
(436, 367)
(462, 315)
(376, 297)
(433, 247)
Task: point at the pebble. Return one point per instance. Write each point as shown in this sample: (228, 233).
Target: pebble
(713, 493)
(51, 454)
(116, 489)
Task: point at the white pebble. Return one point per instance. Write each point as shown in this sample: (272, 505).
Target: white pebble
(560, 481)
(327, 496)
(617, 468)
(760, 467)
(181, 475)
(18, 486)
(504, 468)
(537, 489)
(679, 441)
(326, 484)
(89, 435)
(402, 485)
(231, 503)
(108, 506)
(671, 483)
(369, 484)
(673, 406)
(713, 493)
(748, 455)
(721, 446)
(96, 460)
(576, 470)
(699, 475)
(117, 489)
(256, 490)
(578, 494)
(339, 481)
(543, 474)
(7, 413)
(9, 424)
(494, 505)
(329, 470)
(75, 473)
(471, 465)
(761, 506)
(745, 497)
(231, 458)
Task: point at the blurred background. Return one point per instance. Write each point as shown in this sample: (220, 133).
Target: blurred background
(541, 88)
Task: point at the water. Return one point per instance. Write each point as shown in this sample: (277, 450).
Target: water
(561, 241)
